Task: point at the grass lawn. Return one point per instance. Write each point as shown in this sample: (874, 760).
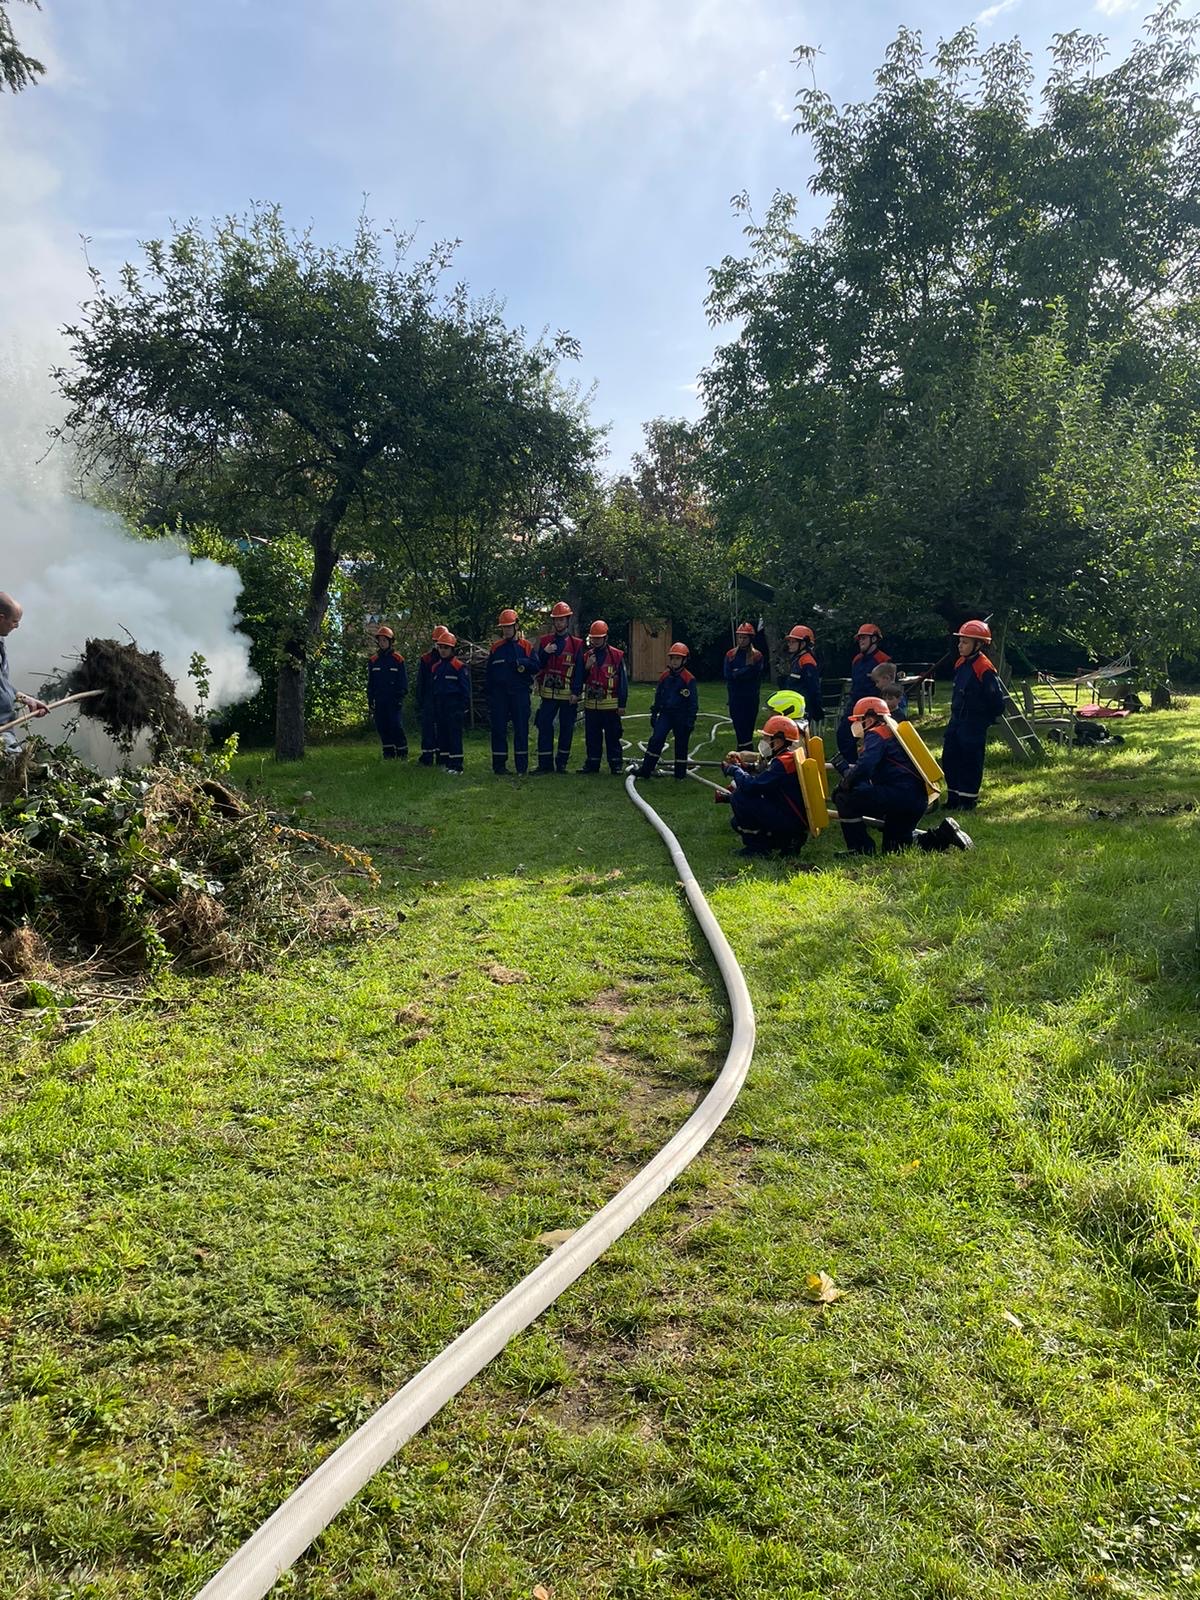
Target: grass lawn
(237, 1216)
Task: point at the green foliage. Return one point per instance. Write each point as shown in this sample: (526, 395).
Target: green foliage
(18, 69)
(337, 393)
(968, 392)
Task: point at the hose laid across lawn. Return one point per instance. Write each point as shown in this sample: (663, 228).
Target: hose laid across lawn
(251, 1571)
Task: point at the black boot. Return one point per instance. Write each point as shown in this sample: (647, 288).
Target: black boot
(645, 767)
(681, 771)
(858, 841)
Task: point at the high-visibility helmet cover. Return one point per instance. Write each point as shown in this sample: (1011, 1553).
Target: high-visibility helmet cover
(787, 703)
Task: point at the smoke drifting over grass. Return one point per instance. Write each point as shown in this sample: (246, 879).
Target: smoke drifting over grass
(79, 575)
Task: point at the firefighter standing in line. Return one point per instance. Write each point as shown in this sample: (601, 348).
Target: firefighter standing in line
(508, 680)
(768, 806)
(676, 702)
(449, 693)
(884, 785)
(557, 654)
(976, 702)
(803, 674)
(602, 683)
(387, 684)
(424, 700)
(743, 675)
(862, 686)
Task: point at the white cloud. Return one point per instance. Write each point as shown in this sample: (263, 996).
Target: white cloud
(1114, 8)
(989, 15)
(577, 61)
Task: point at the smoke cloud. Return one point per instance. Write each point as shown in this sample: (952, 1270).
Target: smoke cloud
(79, 575)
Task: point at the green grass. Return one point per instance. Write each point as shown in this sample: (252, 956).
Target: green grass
(234, 1219)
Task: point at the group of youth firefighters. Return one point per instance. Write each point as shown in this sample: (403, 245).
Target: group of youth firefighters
(877, 777)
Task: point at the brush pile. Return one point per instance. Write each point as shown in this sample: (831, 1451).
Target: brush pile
(166, 866)
(135, 695)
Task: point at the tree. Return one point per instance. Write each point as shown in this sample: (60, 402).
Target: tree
(896, 402)
(17, 69)
(332, 391)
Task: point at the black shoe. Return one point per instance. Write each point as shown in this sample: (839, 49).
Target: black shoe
(542, 772)
(589, 772)
(955, 837)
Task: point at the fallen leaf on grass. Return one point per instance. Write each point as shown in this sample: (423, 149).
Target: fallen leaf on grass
(555, 1237)
(821, 1289)
(540, 1592)
(1014, 1321)
(499, 974)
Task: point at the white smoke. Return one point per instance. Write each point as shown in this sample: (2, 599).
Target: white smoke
(79, 575)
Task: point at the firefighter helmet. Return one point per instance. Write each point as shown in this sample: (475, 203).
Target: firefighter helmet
(560, 608)
(384, 633)
(507, 618)
(678, 650)
(598, 630)
(871, 702)
(975, 630)
(438, 632)
(788, 703)
(802, 633)
(448, 638)
(780, 727)
(746, 630)
(867, 627)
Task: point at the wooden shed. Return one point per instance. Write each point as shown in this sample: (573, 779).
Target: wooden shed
(648, 646)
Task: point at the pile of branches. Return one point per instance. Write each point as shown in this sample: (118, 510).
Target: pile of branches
(132, 694)
(168, 865)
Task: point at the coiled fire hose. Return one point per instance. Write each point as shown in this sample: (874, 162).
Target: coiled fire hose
(288, 1532)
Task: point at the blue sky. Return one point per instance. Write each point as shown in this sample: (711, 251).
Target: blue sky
(584, 153)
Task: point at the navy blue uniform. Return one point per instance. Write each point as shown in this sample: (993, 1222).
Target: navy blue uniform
(767, 806)
(804, 676)
(557, 654)
(8, 695)
(861, 685)
(743, 679)
(450, 695)
(511, 669)
(387, 684)
(676, 702)
(976, 702)
(424, 701)
(882, 784)
(602, 682)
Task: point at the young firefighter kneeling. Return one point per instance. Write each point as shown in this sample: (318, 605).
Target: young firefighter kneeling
(768, 806)
(883, 784)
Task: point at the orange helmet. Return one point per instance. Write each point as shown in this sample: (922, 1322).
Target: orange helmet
(801, 632)
(507, 618)
(598, 630)
(448, 638)
(975, 630)
(678, 650)
(871, 702)
(438, 632)
(384, 633)
(745, 628)
(560, 608)
(867, 627)
(783, 726)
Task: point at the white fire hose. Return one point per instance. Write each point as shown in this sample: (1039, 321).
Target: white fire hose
(288, 1532)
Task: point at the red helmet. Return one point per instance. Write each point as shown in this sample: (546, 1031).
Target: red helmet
(678, 650)
(871, 702)
(867, 627)
(438, 632)
(801, 632)
(384, 633)
(975, 630)
(507, 618)
(448, 638)
(784, 726)
(560, 608)
(745, 628)
(598, 630)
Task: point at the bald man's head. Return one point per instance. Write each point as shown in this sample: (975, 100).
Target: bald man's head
(10, 615)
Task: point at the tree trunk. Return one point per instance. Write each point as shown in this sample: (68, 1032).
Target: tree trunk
(1160, 690)
(293, 668)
